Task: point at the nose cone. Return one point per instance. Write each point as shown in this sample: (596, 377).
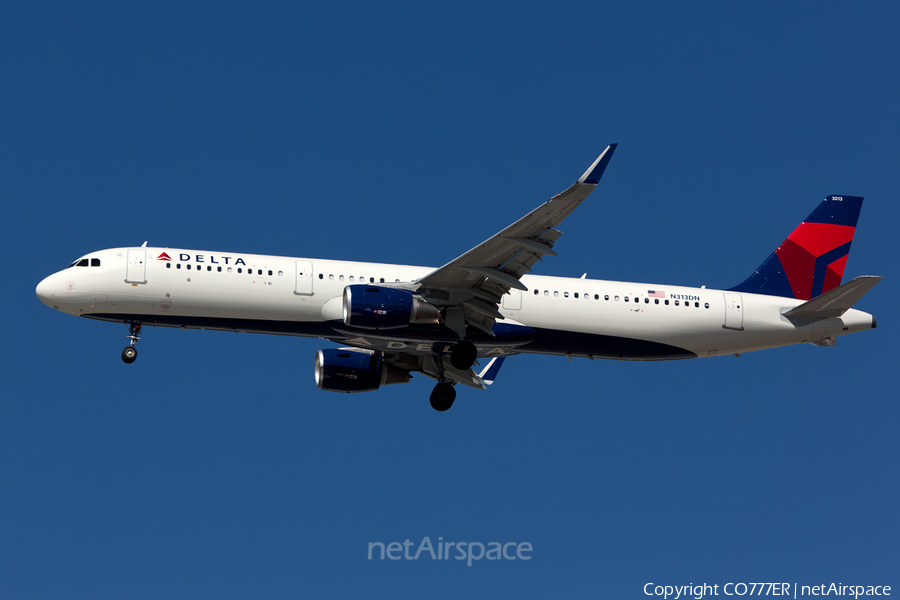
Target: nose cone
(45, 291)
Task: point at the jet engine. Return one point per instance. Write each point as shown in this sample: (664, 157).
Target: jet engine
(374, 307)
(347, 371)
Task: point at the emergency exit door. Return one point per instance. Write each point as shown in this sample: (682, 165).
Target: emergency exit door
(304, 278)
(512, 300)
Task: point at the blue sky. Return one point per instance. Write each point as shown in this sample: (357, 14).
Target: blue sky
(214, 468)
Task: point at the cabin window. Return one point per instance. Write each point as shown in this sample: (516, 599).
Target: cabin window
(606, 297)
(281, 274)
(189, 267)
(656, 301)
(270, 272)
(352, 278)
(646, 300)
(228, 269)
(259, 272)
(178, 266)
(666, 302)
(371, 280)
(321, 276)
(706, 305)
(556, 294)
(696, 305)
(616, 298)
(209, 268)
(239, 270)
(168, 265)
(626, 298)
(546, 293)
(566, 294)
(219, 269)
(676, 303)
(331, 278)
(535, 292)
(340, 277)
(575, 294)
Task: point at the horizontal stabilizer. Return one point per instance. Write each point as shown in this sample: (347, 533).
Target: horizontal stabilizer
(835, 302)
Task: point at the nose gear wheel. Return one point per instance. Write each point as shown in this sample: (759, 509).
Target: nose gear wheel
(129, 354)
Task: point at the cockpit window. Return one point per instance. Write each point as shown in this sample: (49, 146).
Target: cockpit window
(84, 262)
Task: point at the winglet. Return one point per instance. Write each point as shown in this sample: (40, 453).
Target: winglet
(490, 371)
(595, 172)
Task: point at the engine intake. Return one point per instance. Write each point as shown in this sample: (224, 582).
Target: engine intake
(347, 371)
(374, 307)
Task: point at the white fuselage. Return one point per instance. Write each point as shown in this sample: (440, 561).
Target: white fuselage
(296, 296)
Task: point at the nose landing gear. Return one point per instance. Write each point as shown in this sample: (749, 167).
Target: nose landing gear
(129, 354)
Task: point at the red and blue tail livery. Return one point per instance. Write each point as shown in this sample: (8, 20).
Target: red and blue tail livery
(811, 260)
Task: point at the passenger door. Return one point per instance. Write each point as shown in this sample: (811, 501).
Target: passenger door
(136, 270)
(734, 312)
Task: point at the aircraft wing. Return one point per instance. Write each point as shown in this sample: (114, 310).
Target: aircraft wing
(471, 286)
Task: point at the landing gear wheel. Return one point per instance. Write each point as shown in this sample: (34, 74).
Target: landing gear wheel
(129, 354)
(463, 355)
(442, 397)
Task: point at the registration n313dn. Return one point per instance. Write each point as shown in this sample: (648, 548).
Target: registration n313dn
(456, 324)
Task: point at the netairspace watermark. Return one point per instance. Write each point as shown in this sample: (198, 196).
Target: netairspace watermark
(461, 550)
(764, 589)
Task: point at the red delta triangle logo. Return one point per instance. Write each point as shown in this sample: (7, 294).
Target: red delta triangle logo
(163, 256)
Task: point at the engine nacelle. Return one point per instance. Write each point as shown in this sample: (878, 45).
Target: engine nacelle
(374, 307)
(348, 372)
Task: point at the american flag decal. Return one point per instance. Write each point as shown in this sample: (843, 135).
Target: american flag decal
(656, 293)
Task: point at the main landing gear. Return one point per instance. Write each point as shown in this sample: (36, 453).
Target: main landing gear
(442, 397)
(463, 355)
(129, 354)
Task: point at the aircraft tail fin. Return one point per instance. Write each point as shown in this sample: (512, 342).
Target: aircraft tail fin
(811, 260)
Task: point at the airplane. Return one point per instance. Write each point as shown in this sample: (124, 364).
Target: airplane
(395, 320)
